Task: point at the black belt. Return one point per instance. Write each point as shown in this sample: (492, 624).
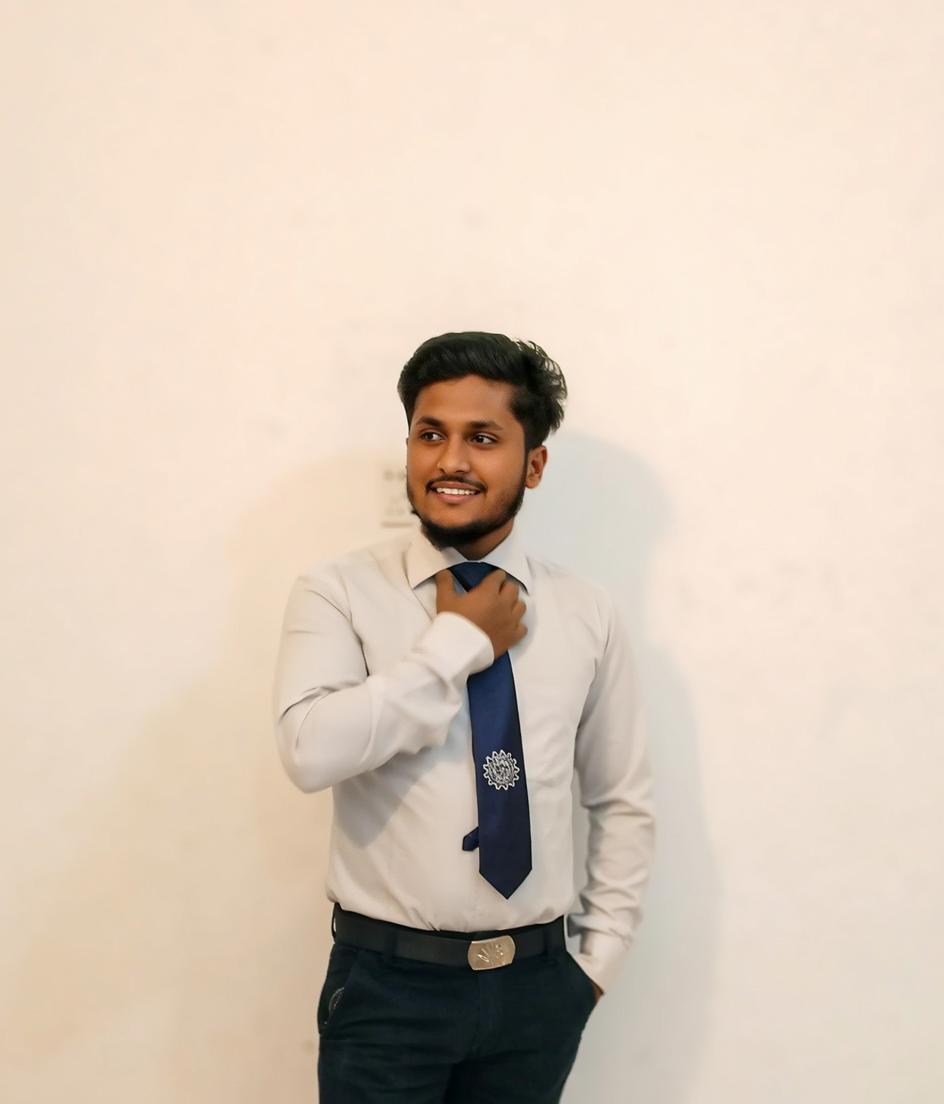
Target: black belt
(479, 950)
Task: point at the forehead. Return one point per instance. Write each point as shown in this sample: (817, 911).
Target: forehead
(466, 401)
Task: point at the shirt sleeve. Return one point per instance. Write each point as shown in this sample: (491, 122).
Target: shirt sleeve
(333, 720)
(612, 764)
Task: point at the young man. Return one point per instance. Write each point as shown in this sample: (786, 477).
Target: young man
(446, 683)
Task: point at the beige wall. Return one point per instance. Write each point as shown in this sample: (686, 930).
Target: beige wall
(225, 227)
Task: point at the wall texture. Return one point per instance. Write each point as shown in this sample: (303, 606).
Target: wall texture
(225, 227)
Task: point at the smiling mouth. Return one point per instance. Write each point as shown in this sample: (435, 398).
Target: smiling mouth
(454, 496)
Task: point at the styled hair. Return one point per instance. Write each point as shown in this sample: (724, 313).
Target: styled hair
(539, 386)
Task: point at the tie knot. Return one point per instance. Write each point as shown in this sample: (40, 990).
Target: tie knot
(471, 573)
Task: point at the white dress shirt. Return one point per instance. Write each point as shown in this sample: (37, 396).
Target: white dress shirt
(370, 698)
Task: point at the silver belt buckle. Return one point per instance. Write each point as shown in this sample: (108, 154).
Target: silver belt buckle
(487, 954)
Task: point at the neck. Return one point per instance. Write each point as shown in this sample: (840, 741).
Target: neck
(478, 550)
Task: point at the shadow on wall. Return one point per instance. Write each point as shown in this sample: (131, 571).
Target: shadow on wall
(600, 511)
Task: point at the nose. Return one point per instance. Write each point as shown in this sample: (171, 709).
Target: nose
(454, 456)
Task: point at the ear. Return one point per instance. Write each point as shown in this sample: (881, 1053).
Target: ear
(536, 464)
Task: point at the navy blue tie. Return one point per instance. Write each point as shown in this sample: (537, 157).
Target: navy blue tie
(503, 835)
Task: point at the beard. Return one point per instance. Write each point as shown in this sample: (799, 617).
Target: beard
(448, 536)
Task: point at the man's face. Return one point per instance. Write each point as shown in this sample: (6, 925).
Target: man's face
(463, 432)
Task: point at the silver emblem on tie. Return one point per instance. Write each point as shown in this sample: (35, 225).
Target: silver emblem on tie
(487, 954)
(501, 770)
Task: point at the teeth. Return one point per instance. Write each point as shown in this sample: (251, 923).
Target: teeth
(453, 491)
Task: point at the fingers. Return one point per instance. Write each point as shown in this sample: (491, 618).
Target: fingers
(509, 590)
(503, 582)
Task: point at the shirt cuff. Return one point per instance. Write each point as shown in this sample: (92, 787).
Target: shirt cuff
(457, 646)
(601, 957)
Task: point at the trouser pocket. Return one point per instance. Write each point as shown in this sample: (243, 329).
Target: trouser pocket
(341, 963)
(580, 979)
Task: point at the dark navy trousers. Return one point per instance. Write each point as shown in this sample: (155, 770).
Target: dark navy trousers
(395, 1029)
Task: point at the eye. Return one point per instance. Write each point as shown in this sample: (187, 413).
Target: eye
(484, 436)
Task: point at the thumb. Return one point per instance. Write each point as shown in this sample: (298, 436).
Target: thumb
(444, 581)
(445, 589)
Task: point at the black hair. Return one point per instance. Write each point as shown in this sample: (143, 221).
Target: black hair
(539, 386)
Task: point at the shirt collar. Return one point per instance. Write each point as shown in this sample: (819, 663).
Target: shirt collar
(423, 559)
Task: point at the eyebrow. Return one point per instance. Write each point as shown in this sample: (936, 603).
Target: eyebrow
(427, 420)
